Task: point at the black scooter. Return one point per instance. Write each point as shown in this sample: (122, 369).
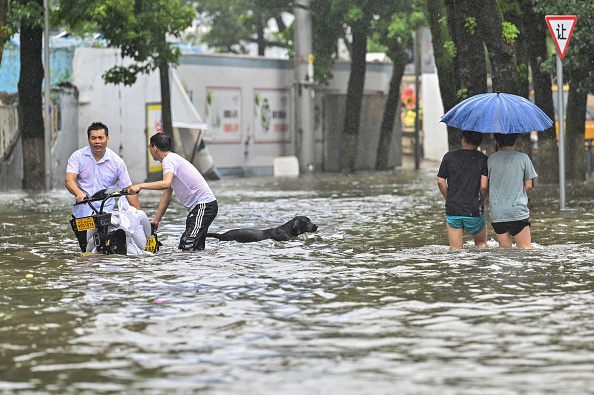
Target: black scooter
(107, 239)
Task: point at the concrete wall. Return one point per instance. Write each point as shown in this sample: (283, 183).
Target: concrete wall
(11, 168)
(11, 153)
(251, 75)
(65, 133)
(8, 128)
(123, 108)
(435, 142)
(64, 115)
(372, 110)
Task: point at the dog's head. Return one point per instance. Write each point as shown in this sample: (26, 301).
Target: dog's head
(302, 224)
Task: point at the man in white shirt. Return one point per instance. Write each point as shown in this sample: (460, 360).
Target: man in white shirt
(190, 187)
(92, 169)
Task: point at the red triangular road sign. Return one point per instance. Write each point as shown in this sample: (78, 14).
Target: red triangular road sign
(561, 28)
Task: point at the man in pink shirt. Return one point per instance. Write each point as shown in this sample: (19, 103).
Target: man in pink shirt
(190, 187)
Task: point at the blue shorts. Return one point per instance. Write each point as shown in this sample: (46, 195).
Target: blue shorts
(473, 225)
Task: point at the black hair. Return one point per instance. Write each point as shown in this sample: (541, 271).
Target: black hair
(97, 126)
(474, 138)
(506, 140)
(161, 141)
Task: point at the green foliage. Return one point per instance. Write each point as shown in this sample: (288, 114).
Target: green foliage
(417, 19)
(354, 14)
(508, 7)
(443, 21)
(231, 25)
(523, 72)
(450, 48)
(470, 25)
(396, 23)
(510, 32)
(137, 27)
(326, 36)
(462, 94)
(30, 13)
(373, 46)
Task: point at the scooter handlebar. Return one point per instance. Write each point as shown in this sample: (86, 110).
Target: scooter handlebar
(114, 194)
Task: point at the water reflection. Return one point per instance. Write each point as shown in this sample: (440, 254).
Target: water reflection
(374, 303)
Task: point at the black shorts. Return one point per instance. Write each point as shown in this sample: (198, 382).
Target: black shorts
(197, 223)
(513, 227)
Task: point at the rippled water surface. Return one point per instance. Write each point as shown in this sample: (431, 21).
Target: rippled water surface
(373, 303)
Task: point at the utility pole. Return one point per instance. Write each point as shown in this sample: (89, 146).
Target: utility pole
(304, 88)
(47, 123)
(418, 65)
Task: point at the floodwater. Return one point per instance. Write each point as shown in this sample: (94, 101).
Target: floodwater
(373, 303)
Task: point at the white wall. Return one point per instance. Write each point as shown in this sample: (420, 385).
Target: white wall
(123, 108)
(435, 143)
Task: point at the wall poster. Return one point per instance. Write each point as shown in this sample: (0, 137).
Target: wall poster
(154, 124)
(272, 116)
(223, 114)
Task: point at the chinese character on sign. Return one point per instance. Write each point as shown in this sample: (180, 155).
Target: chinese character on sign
(561, 28)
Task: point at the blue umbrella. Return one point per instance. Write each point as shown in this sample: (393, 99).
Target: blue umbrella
(497, 113)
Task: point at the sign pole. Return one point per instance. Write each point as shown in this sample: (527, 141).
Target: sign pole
(561, 123)
(561, 28)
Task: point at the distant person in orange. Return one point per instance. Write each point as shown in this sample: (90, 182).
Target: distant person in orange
(463, 182)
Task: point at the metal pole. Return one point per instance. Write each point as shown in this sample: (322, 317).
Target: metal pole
(304, 91)
(417, 49)
(561, 123)
(47, 98)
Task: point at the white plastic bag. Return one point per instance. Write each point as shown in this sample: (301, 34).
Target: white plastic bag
(136, 225)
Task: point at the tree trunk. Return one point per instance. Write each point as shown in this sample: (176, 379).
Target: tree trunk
(469, 62)
(504, 71)
(30, 105)
(354, 97)
(470, 50)
(522, 60)
(166, 101)
(575, 165)
(444, 65)
(536, 32)
(392, 105)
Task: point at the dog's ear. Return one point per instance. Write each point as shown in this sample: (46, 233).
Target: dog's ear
(297, 226)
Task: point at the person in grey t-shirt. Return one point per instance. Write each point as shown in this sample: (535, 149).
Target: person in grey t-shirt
(510, 177)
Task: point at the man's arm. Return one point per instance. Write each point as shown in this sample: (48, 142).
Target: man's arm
(163, 205)
(72, 186)
(156, 185)
(528, 185)
(484, 188)
(443, 186)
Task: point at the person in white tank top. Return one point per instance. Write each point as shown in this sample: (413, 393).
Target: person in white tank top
(190, 187)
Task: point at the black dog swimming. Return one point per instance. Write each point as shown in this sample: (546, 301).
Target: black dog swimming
(285, 232)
